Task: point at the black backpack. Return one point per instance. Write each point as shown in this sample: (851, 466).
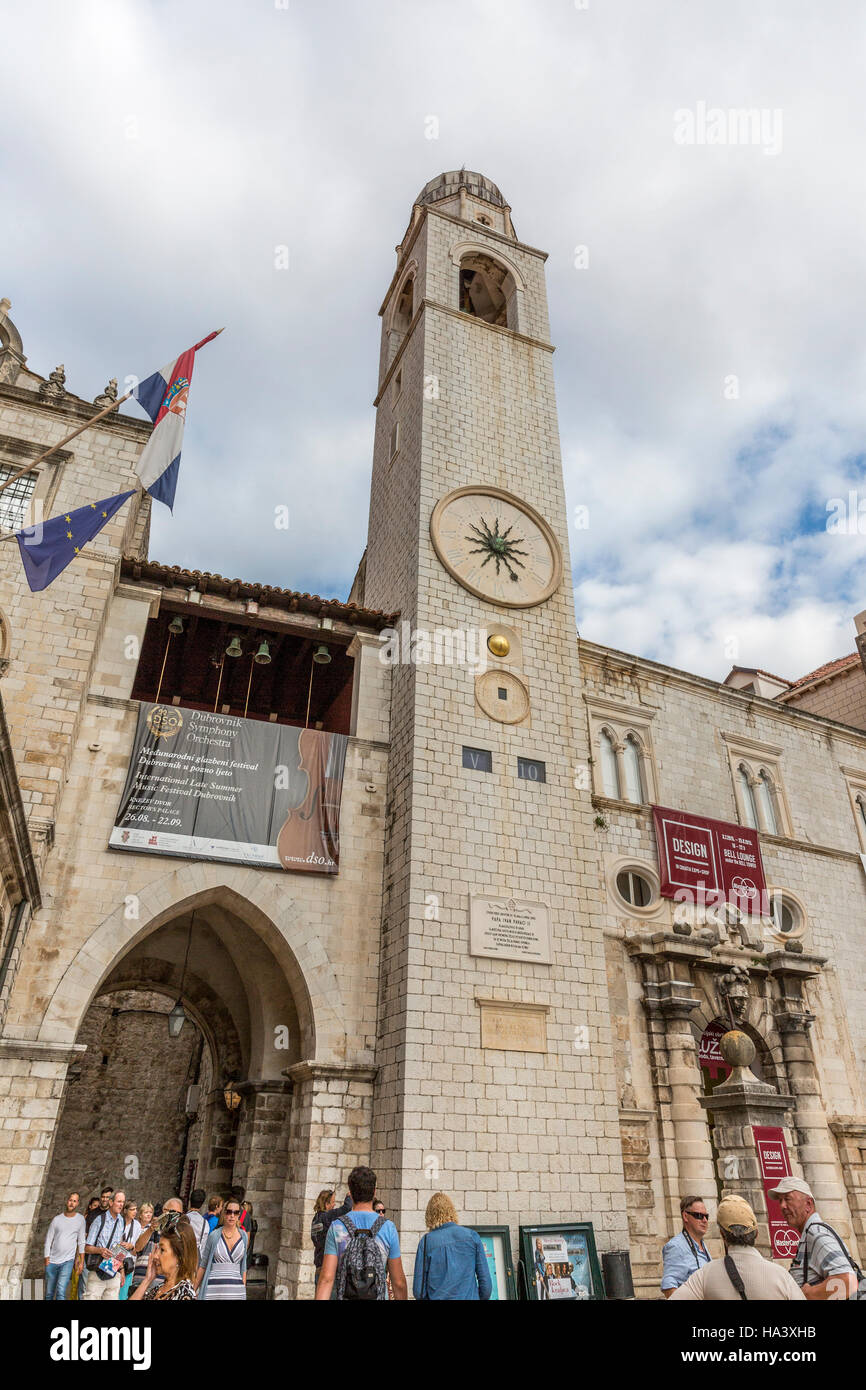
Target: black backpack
(361, 1271)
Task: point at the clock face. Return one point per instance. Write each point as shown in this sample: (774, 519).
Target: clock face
(496, 546)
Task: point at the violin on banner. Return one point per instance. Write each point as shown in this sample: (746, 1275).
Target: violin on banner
(310, 835)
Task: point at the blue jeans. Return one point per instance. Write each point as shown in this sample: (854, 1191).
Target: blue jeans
(82, 1281)
(57, 1279)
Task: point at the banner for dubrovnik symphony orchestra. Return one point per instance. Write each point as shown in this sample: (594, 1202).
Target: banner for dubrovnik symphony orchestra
(214, 786)
(709, 861)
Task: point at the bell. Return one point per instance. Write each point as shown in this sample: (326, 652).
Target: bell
(321, 655)
(234, 647)
(263, 655)
(176, 625)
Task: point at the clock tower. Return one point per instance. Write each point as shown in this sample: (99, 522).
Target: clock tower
(496, 1076)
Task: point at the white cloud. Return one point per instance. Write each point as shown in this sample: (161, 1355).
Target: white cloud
(156, 155)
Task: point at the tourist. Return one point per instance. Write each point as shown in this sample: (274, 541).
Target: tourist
(222, 1274)
(743, 1273)
(131, 1232)
(197, 1219)
(94, 1207)
(105, 1231)
(64, 1249)
(146, 1241)
(686, 1252)
(324, 1212)
(450, 1262)
(359, 1264)
(171, 1264)
(823, 1266)
(249, 1226)
(214, 1208)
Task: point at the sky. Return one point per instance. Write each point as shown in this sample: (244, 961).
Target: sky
(706, 275)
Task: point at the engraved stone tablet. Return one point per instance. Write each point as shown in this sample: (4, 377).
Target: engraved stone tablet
(513, 1027)
(509, 929)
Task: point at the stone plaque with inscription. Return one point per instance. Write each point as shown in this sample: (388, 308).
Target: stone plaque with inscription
(509, 929)
(513, 1027)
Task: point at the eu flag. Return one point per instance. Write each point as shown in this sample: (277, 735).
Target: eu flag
(48, 548)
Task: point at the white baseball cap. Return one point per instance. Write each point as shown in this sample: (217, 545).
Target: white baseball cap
(791, 1185)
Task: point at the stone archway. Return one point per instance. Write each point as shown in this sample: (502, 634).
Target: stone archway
(245, 989)
(265, 907)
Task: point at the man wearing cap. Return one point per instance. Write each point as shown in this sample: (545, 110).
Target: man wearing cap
(822, 1266)
(743, 1273)
(686, 1252)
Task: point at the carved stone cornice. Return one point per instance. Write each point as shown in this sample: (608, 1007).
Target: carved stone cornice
(671, 998)
(798, 965)
(665, 947)
(748, 1098)
(788, 1020)
(329, 1071)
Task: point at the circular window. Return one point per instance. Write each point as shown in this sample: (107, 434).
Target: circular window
(788, 917)
(633, 888)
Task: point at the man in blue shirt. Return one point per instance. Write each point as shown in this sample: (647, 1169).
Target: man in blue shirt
(362, 1189)
(686, 1252)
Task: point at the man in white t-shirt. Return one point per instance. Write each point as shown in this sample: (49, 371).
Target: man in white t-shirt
(64, 1249)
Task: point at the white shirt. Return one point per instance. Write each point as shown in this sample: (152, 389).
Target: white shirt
(200, 1229)
(65, 1236)
(134, 1233)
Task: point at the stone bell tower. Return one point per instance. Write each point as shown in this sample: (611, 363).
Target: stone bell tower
(496, 1076)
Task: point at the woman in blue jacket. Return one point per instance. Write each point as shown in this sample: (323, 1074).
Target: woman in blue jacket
(450, 1262)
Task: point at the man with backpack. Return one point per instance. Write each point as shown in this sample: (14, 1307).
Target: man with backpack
(823, 1265)
(362, 1250)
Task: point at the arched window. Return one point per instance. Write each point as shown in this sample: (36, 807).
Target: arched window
(634, 790)
(750, 810)
(405, 306)
(765, 792)
(487, 290)
(402, 315)
(609, 769)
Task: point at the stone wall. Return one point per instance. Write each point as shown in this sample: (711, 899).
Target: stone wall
(842, 698)
(816, 862)
(123, 1120)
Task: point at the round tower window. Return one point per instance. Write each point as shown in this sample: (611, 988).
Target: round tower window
(633, 888)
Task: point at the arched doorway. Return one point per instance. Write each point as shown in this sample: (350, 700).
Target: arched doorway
(147, 1111)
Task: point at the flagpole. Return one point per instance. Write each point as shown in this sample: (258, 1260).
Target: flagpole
(94, 420)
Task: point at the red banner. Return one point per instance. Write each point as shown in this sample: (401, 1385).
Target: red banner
(709, 861)
(775, 1165)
